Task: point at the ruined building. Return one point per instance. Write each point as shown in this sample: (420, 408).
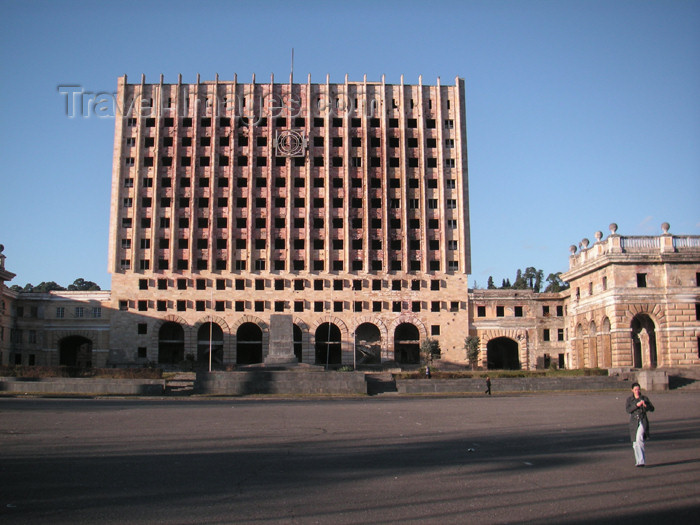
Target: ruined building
(345, 208)
(343, 205)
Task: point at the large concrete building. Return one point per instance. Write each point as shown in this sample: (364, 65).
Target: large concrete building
(343, 208)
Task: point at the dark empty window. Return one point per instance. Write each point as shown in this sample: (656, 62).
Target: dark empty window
(641, 280)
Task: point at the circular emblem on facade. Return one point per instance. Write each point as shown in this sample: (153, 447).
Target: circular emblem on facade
(290, 143)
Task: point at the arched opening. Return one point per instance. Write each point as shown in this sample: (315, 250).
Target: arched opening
(578, 347)
(592, 346)
(502, 353)
(407, 344)
(643, 342)
(607, 343)
(75, 350)
(297, 336)
(171, 343)
(249, 344)
(206, 333)
(328, 349)
(368, 348)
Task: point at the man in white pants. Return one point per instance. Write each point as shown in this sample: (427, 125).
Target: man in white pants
(637, 407)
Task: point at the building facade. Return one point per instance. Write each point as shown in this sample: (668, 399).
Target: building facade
(7, 300)
(343, 205)
(634, 301)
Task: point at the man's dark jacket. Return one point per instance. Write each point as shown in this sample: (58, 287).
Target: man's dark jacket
(638, 414)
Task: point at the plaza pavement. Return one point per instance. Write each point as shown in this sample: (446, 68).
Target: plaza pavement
(545, 458)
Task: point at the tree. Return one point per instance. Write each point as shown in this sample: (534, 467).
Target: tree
(520, 282)
(538, 281)
(489, 284)
(50, 286)
(429, 349)
(81, 285)
(471, 345)
(555, 283)
(506, 284)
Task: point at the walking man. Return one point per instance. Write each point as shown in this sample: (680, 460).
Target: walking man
(637, 407)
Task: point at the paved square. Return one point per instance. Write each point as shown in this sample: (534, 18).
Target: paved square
(546, 458)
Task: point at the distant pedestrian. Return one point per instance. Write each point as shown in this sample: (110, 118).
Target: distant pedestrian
(637, 406)
(488, 385)
(427, 371)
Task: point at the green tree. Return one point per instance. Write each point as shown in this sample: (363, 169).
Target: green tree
(489, 284)
(81, 285)
(49, 286)
(555, 284)
(471, 345)
(539, 275)
(520, 282)
(429, 349)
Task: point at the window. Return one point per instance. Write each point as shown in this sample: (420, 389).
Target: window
(560, 311)
(141, 328)
(481, 311)
(560, 334)
(545, 334)
(641, 280)
(545, 311)
(518, 312)
(499, 311)
(60, 312)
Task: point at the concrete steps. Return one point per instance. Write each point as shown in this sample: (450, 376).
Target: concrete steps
(181, 384)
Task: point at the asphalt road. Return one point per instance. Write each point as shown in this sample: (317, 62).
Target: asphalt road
(547, 458)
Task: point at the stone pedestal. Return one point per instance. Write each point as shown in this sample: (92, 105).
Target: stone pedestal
(281, 349)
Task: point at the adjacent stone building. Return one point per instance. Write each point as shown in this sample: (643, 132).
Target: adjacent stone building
(634, 301)
(7, 299)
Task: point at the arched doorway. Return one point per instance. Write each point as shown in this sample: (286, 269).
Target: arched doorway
(407, 344)
(592, 346)
(368, 348)
(643, 342)
(607, 343)
(213, 332)
(75, 350)
(328, 348)
(578, 347)
(297, 337)
(502, 353)
(249, 344)
(171, 343)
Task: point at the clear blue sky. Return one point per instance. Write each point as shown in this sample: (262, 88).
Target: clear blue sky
(579, 113)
